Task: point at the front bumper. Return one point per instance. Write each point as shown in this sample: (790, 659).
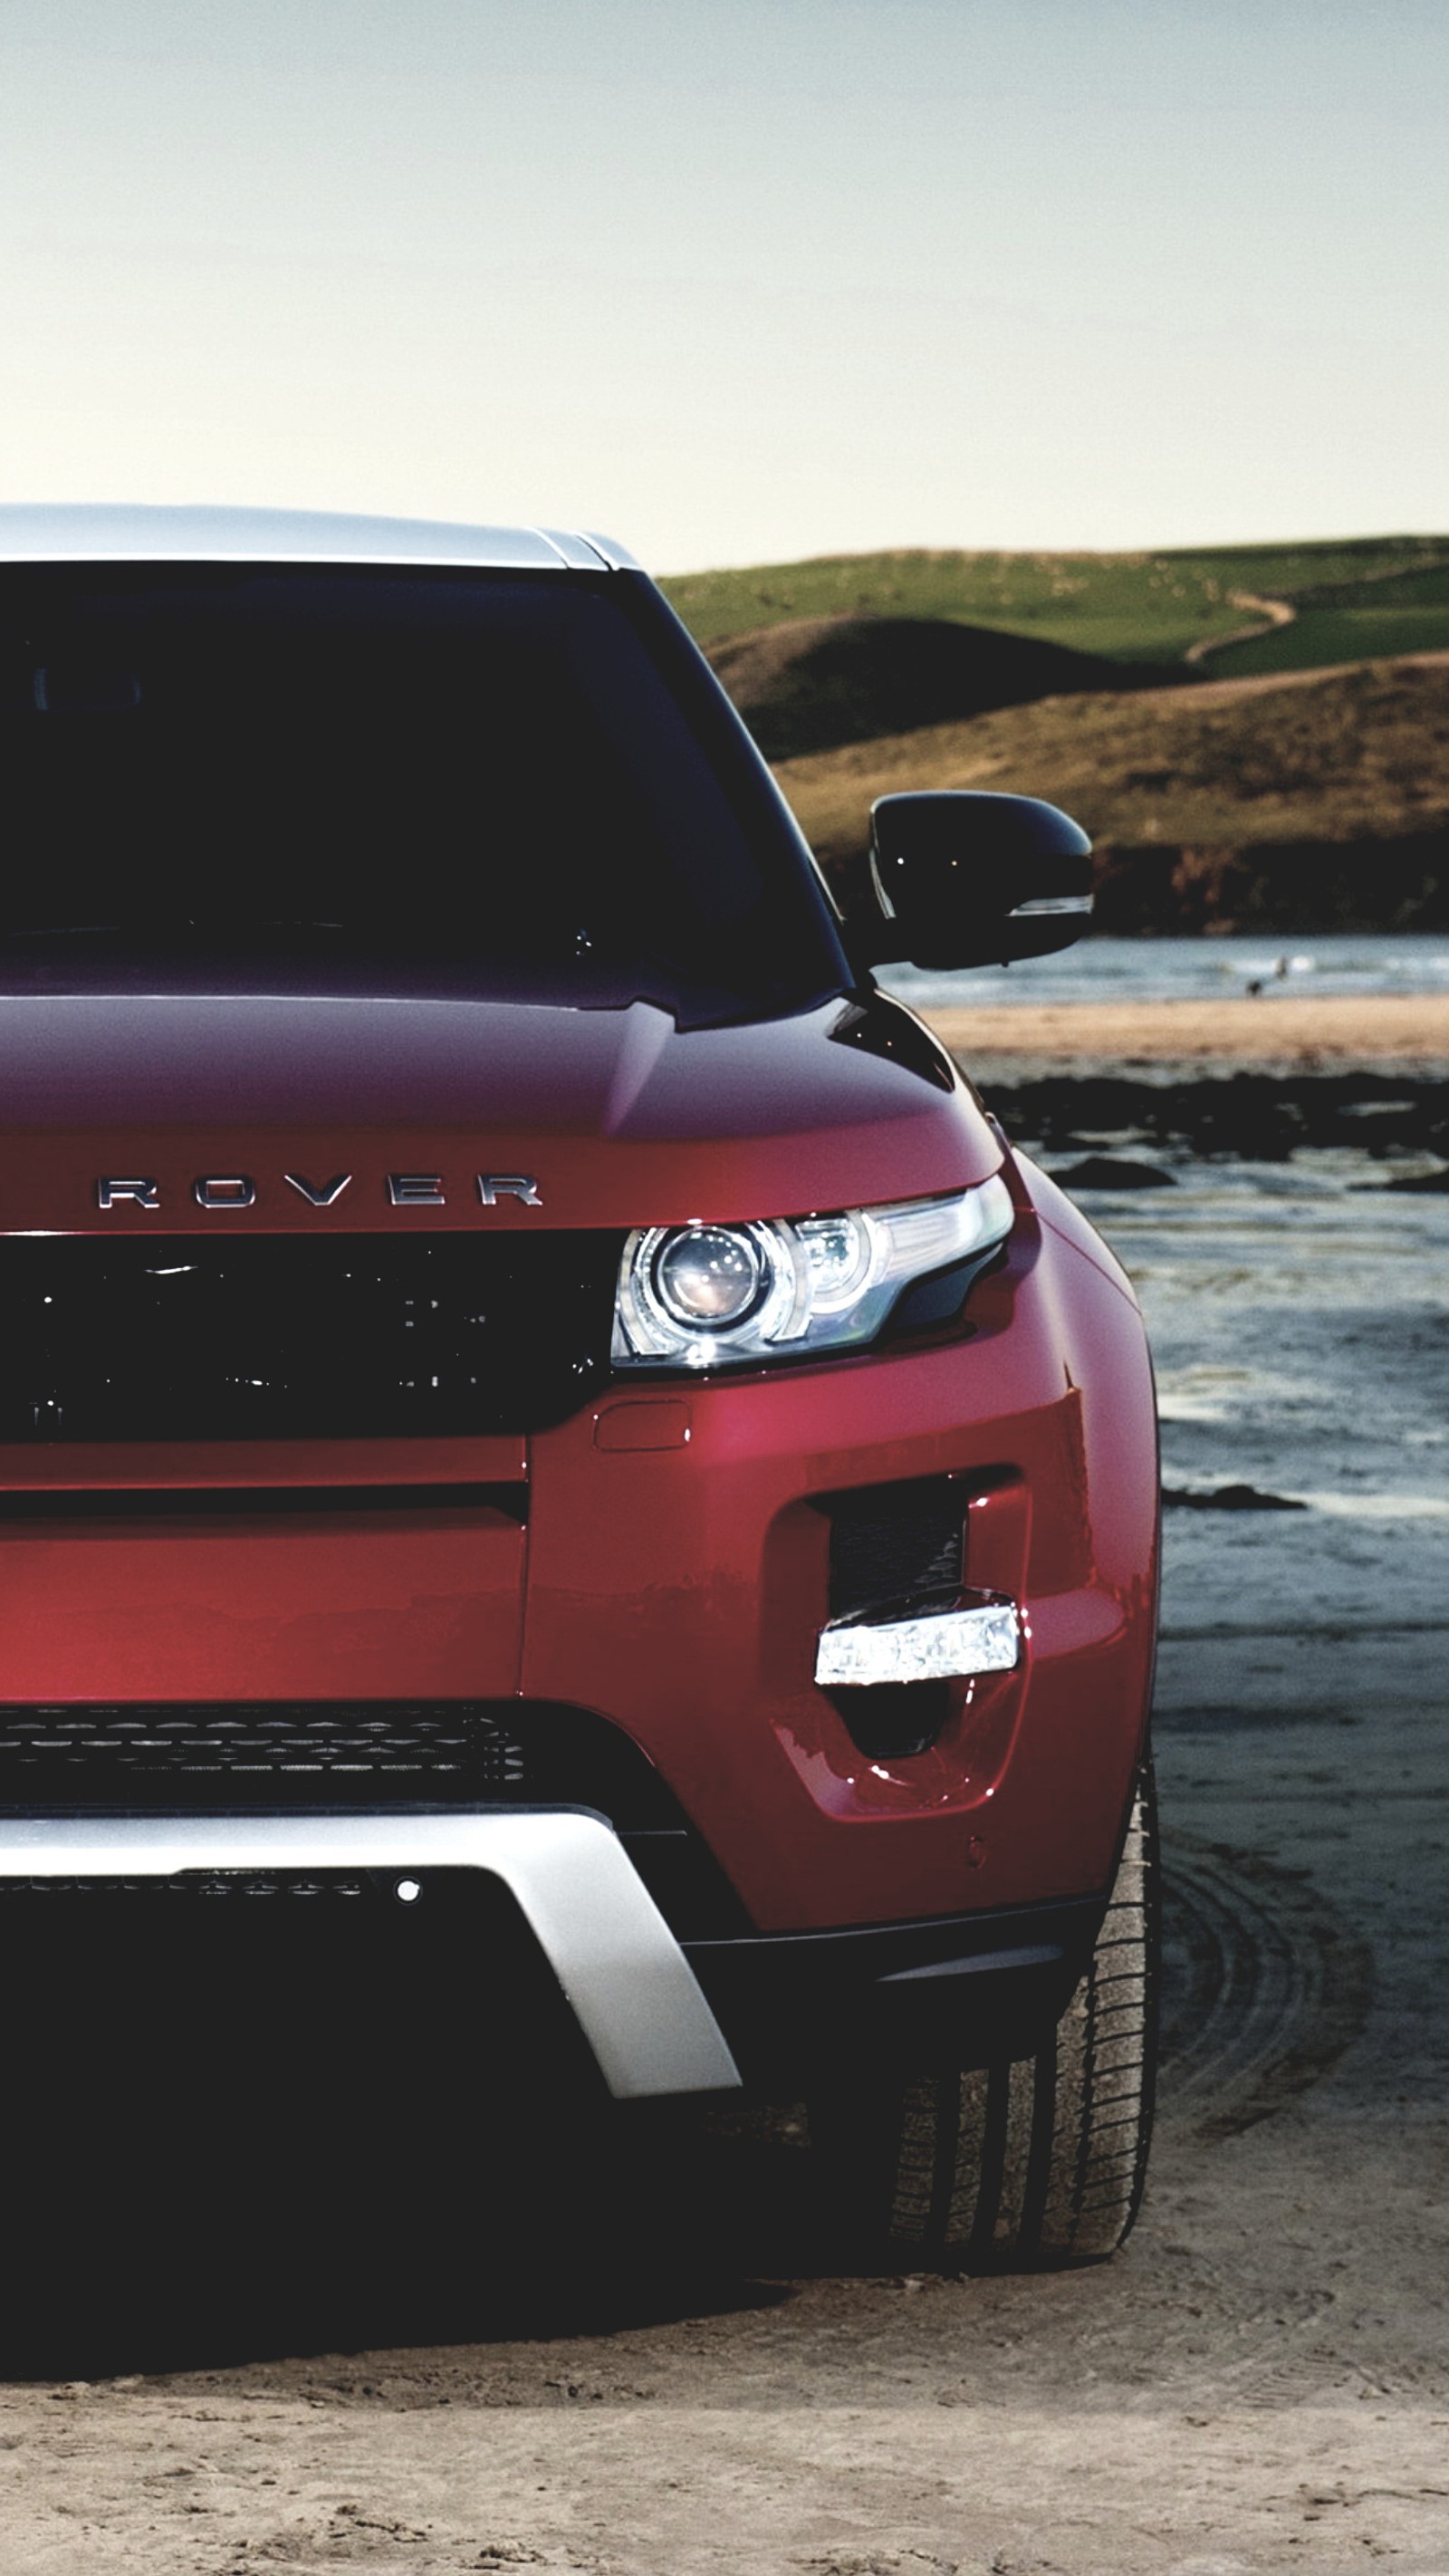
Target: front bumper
(632, 1991)
(663, 1559)
(679, 1551)
(659, 2016)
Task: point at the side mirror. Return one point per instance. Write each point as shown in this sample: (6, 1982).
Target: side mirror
(967, 879)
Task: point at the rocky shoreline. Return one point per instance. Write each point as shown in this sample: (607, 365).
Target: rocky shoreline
(1253, 1116)
(1241, 1080)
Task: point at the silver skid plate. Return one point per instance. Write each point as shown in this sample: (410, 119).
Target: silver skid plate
(629, 1983)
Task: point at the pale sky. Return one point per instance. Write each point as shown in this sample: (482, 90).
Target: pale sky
(736, 280)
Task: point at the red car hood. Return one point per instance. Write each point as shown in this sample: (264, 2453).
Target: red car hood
(617, 1117)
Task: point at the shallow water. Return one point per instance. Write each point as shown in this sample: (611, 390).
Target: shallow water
(1191, 970)
(1299, 1318)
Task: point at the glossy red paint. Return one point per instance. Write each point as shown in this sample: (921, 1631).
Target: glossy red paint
(305, 1603)
(230, 1466)
(682, 1592)
(623, 1119)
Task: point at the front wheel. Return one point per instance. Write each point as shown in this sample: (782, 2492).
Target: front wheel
(1032, 2162)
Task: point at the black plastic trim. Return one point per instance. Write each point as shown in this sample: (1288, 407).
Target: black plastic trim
(184, 1502)
(961, 1988)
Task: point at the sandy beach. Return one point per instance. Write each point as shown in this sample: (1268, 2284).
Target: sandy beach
(1280, 1033)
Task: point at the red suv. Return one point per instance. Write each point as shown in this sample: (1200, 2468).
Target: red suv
(523, 1366)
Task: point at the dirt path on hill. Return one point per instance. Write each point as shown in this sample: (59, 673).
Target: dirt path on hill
(1260, 2383)
(1266, 613)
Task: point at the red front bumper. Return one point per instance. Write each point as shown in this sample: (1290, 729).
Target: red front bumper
(662, 1559)
(681, 1591)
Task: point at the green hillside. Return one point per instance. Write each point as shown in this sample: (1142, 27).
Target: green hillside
(1127, 607)
(1350, 622)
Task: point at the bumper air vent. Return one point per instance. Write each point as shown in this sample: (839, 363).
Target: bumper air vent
(895, 1544)
(258, 1752)
(896, 1547)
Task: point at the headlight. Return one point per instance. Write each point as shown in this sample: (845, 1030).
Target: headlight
(706, 1296)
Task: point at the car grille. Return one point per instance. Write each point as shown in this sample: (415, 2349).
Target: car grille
(226, 1757)
(198, 1756)
(109, 1752)
(279, 1337)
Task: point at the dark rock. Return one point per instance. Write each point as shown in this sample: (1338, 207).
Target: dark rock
(1108, 1172)
(1420, 1181)
(1258, 1117)
(1227, 1498)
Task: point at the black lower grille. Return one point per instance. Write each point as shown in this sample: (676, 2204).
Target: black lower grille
(192, 1757)
(228, 1758)
(282, 1337)
(113, 1751)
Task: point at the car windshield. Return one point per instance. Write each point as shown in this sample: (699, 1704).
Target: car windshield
(524, 784)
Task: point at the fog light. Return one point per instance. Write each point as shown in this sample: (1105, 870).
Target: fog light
(939, 1645)
(408, 1891)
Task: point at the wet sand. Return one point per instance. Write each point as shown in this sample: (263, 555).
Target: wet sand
(1279, 1032)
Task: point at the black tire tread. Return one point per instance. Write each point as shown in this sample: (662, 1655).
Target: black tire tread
(1036, 2162)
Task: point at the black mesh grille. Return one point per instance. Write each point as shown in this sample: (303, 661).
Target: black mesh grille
(110, 1752)
(279, 1336)
(191, 1757)
(895, 1543)
(226, 1757)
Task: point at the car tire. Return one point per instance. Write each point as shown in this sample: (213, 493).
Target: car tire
(1027, 2164)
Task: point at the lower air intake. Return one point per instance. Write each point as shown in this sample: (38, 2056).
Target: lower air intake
(230, 1757)
(111, 1754)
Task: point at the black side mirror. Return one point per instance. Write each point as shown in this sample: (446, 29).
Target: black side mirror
(963, 879)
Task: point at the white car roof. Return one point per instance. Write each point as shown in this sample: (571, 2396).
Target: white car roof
(109, 532)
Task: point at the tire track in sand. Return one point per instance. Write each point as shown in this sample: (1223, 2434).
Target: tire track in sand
(1264, 1988)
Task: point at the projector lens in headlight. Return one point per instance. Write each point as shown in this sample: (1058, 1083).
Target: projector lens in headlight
(708, 1276)
(707, 1296)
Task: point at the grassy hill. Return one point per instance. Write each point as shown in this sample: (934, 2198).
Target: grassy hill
(1393, 591)
(810, 683)
(1349, 759)
(1256, 783)
(1350, 622)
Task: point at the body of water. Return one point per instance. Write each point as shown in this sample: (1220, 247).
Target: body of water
(1191, 970)
(1299, 1318)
